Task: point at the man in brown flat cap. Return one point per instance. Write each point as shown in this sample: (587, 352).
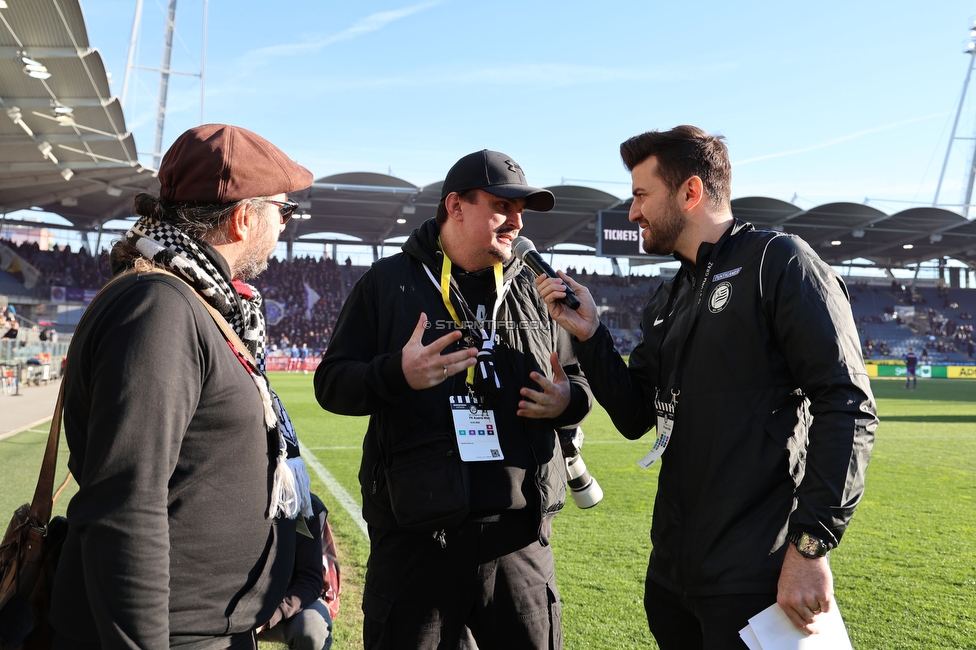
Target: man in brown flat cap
(182, 533)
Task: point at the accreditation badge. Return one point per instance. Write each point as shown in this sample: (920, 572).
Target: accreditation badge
(475, 430)
(665, 424)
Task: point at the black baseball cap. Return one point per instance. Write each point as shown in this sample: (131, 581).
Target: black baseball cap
(498, 174)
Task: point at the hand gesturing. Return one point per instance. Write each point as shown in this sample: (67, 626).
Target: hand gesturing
(553, 399)
(424, 365)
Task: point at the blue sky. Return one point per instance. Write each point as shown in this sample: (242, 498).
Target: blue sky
(833, 101)
(827, 101)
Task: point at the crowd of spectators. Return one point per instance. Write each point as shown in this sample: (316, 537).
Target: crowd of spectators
(62, 267)
(305, 319)
(300, 327)
(305, 295)
(943, 333)
(871, 347)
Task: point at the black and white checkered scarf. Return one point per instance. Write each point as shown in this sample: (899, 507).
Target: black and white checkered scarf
(169, 247)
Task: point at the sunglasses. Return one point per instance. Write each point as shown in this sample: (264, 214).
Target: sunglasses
(285, 208)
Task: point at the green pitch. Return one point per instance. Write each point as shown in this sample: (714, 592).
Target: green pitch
(905, 574)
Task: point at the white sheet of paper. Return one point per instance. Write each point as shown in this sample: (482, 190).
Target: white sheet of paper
(749, 638)
(774, 631)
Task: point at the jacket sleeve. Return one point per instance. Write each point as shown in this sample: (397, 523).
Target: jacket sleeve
(809, 310)
(146, 370)
(581, 399)
(622, 391)
(355, 377)
(306, 583)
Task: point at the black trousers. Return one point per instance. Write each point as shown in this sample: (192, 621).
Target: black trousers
(494, 577)
(707, 623)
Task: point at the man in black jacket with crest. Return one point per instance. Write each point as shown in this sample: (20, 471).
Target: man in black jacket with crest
(750, 369)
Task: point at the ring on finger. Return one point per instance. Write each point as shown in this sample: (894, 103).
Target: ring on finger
(445, 372)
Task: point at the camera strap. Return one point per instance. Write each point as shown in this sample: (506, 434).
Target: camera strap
(481, 378)
(475, 429)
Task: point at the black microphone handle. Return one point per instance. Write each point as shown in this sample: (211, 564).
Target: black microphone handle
(538, 265)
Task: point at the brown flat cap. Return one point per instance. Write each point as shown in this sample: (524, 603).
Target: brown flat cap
(217, 163)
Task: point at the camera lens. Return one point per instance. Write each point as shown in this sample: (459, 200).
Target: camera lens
(584, 488)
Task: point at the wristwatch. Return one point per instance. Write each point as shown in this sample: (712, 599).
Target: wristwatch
(808, 545)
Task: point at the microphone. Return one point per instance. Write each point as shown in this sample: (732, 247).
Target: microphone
(525, 250)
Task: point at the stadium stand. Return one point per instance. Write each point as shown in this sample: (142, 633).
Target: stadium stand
(304, 296)
(62, 267)
(935, 321)
(311, 292)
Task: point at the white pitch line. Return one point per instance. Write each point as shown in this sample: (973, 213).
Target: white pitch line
(345, 499)
(13, 433)
(335, 448)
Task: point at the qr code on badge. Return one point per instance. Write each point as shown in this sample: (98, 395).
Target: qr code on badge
(495, 453)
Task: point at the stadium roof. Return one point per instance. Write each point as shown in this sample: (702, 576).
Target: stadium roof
(375, 208)
(845, 231)
(64, 149)
(63, 142)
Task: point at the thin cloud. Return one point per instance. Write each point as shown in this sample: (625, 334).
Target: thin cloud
(373, 22)
(534, 75)
(843, 138)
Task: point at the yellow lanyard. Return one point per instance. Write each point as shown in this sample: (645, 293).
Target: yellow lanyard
(446, 297)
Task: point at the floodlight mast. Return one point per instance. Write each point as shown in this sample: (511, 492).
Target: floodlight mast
(967, 199)
(164, 83)
(164, 71)
(132, 49)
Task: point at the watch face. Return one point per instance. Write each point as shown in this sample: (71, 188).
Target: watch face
(810, 546)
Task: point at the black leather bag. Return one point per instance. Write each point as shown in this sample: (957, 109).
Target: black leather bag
(32, 545)
(29, 556)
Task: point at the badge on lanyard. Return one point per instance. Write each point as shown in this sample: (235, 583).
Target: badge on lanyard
(475, 430)
(665, 424)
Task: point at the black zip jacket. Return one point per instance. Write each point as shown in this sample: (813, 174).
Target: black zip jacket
(361, 372)
(775, 418)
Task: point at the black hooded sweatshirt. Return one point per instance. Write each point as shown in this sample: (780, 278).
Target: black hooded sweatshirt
(361, 374)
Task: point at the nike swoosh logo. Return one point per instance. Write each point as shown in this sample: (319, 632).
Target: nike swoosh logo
(658, 321)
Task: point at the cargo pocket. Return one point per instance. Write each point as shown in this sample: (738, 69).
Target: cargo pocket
(376, 607)
(428, 485)
(376, 611)
(555, 616)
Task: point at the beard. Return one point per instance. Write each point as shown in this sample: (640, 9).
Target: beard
(661, 235)
(250, 266)
(254, 261)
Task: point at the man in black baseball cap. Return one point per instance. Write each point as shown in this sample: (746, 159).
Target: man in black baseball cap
(497, 174)
(448, 349)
